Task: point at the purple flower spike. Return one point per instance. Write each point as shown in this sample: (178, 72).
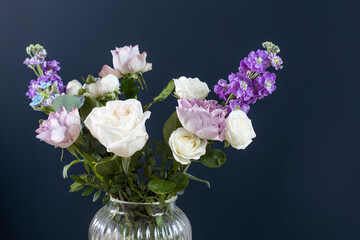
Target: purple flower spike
(235, 103)
(221, 89)
(241, 86)
(258, 62)
(276, 61)
(265, 84)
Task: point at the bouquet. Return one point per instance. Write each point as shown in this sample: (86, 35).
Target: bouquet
(101, 122)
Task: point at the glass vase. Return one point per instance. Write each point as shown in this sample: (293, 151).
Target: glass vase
(119, 220)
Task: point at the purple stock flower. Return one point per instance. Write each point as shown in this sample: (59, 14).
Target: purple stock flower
(244, 68)
(241, 86)
(32, 62)
(276, 61)
(265, 84)
(221, 89)
(233, 104)
(258, 62)
(49, 67)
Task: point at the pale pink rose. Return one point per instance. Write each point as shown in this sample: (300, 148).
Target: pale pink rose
(61, 129)
(126, 60)
(206, 119)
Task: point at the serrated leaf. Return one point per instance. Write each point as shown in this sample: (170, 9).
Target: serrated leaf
(198, 179)
(97, 195)
(171, 124)
(67, 101)
(161, 186)
(88, 191)
(213, 158)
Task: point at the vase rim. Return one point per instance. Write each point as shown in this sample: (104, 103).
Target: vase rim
(171, 200)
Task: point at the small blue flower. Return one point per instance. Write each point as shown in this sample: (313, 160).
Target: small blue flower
(36, 100)
(43, 84)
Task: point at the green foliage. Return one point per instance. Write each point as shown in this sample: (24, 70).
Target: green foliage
(198, 179)
(67, 101)
(106, 199)
(163, 94)
(97, 195)
(128, 87)
(88, 191)
(161, 186)
(66, 167)
(89, 104)
(213, 158)
(76, 187)
(181, 180)
(171, 124)
(107, 167)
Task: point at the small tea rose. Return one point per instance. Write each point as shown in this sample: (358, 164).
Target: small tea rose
(61, 129)
(73, 87)
(191, 88)
(186, 146)
(103, 86)
(119, 126)
(126, 60)
(239, 130)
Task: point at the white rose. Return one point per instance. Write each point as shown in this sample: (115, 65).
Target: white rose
(186, 146)
(103, 86)
(239, 130)
(191, 88)
(73, 87)
(119, 126)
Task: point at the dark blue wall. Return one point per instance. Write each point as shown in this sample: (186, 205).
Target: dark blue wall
(298, 180)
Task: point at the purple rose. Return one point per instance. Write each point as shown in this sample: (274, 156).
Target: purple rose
(206, 119)
(61, 128)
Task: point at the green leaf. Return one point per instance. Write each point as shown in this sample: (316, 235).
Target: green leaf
(198, 179)
(77, 179)
(107, 167)
(88, 105)
(163, 95)
(116, 188)
(106, 199)
(76, 187)
(213, 158)
(67, 101)
(66, 167)
(125, 164)
(181, 181)
(128, 87)
(161, 186)
(97, 195)
(87, 191)
(159, 220)
(171, 124)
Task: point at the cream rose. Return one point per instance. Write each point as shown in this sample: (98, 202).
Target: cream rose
(119, 126)
(73, 87)
(186, 146)
(103, 86)
(191, 88)
(239, 130)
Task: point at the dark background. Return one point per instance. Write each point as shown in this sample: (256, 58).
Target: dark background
(299, 179)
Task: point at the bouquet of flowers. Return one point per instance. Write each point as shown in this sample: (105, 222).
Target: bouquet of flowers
(101, 122)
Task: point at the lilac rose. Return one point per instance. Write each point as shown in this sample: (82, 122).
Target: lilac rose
(126, 60)
(61, 129)
(206, 119)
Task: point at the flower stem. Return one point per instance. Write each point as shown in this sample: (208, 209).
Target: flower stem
(232, 96)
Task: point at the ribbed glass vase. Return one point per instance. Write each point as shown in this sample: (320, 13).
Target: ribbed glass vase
(119, 220)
